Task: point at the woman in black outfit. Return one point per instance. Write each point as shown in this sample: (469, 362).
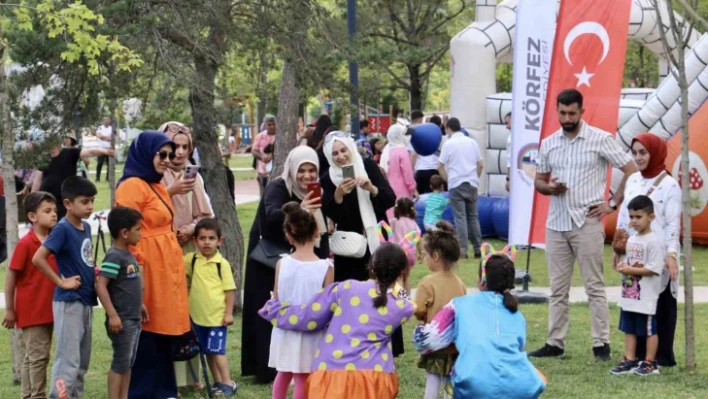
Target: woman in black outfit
(301, 168)
(355, 205)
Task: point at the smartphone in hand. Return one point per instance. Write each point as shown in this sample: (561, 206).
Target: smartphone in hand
(348, 172)
(191, 172)
(316, 189)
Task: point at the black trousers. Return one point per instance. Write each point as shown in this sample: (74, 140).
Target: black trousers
(666, 316)
(99, 165)
(422, 180)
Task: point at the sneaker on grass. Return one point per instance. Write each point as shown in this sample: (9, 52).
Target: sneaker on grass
(548, 351)
(647, 368)
(625, 367)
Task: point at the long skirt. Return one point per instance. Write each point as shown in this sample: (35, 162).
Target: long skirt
(255, 331)
(666, 315)
(153, 374)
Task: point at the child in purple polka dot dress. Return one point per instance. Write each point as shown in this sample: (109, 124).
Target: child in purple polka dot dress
(298, 277)
(355, 359)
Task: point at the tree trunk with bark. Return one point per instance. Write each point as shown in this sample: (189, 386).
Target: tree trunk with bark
(11, 208)
(687, 222)
(201, 99)
(415, 90)
(677, 32)
(288, 105)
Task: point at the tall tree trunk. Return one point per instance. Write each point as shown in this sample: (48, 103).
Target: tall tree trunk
(288, 105)
(416, 88)
(687, 222)
(8, 174)
(201, 100)
(112, 160)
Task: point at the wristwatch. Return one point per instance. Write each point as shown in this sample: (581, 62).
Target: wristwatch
(612, 204)
(673, 255)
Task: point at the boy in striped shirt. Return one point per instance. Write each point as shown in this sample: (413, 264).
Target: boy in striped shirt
(120, 290)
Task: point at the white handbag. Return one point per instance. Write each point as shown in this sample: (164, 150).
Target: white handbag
(348, 244)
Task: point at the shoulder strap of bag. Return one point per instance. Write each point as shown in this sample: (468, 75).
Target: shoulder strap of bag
(656, 183)
(194, 262)
(172, 227)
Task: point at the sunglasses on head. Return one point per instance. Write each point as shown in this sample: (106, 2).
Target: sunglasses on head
(165, 154)
(334, 134)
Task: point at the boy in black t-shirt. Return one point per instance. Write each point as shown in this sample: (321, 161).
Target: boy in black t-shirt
(120, 290)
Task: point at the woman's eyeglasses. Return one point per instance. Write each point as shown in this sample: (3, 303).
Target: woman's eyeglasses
(334, 134)
(165, 154)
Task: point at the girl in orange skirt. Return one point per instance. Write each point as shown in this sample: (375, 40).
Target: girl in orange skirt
(354, 360)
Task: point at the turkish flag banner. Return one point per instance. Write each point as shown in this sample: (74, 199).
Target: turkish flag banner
(588, 54)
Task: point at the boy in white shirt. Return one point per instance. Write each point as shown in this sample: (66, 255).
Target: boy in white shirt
(641, 269)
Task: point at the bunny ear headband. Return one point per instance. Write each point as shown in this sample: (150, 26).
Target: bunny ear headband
(488, 251)
(409, 241)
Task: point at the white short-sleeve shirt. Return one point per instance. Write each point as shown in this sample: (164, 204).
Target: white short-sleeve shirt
(460, 155)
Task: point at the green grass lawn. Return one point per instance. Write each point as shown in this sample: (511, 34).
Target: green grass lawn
(578, 375)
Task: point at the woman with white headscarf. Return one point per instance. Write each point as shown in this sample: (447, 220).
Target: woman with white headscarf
(397, 165)
(301, 168)
(355, 205)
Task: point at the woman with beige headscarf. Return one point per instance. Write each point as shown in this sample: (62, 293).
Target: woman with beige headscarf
(191, 205)
(301, 168)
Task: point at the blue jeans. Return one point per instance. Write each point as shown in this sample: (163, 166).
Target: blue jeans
(463, 200)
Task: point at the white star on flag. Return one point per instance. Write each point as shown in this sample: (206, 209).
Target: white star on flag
(584, 77)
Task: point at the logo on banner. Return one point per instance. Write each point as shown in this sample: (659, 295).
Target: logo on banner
(526, 163)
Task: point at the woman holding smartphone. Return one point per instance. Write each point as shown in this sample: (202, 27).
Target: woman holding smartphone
(355, 195)
(298, 183)
(191, 203)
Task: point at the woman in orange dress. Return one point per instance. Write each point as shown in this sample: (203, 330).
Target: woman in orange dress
(160, 257)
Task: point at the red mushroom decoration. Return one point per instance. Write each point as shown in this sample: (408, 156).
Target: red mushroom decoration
(696, 183)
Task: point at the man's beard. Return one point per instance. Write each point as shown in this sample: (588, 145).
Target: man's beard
(570, 127)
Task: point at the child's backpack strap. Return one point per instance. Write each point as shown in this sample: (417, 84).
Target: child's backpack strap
(194, 261)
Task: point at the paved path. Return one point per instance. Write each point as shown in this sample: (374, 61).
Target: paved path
(577, 294)
(246, 191)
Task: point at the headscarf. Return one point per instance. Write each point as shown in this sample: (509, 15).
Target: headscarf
(657, 154)
(297, 157)
(366, 208)
(141, 154)
(191, 207)
(396, 139)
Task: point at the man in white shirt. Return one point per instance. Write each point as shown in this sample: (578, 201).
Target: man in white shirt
(103, 133)
(461, 165)
(572, 169)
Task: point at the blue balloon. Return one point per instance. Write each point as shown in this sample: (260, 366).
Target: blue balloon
(426, 138)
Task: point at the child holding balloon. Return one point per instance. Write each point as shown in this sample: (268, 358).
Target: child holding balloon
(441, 251)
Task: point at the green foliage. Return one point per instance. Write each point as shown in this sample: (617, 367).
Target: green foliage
(76, 23)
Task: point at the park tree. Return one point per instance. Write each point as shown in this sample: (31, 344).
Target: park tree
(77, 49)
(190, 40)
(406, 39)
(677, 33)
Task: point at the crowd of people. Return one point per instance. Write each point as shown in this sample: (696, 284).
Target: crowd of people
(329, 255)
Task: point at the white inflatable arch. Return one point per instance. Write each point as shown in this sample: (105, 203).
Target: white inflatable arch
(475, 52)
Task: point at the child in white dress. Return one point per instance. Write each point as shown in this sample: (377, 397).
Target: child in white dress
(298, 278)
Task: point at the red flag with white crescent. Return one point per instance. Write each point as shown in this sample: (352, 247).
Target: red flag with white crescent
(588, 55)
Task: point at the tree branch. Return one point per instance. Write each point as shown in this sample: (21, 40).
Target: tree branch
(693, 14)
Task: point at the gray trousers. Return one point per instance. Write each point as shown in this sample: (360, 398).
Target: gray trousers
(72, 332)
(463, 200)
(586, 245)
